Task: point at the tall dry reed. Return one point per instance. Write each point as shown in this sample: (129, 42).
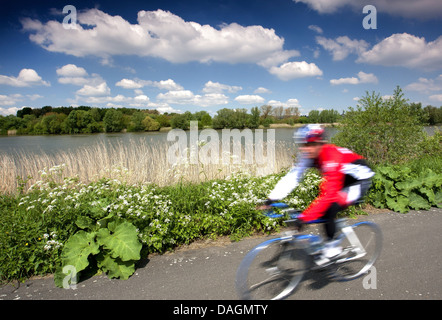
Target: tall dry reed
(134, 163)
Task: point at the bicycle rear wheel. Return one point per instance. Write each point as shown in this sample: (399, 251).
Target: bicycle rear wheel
(362, 245)
(271, 270)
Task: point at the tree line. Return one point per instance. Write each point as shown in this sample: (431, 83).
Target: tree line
(86, 119)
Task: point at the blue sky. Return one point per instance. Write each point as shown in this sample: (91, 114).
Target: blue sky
(192, 55)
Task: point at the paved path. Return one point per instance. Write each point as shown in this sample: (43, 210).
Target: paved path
(410, 267)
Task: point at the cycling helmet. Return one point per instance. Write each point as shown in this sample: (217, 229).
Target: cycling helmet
(309, 133)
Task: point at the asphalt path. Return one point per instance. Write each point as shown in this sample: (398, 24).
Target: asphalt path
(410, 267)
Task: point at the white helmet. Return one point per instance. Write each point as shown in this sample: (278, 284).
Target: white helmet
(309, 133)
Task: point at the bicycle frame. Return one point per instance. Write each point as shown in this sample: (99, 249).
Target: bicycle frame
(347, 232)
(347, 235)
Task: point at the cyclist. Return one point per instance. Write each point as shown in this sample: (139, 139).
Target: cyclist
(346, 179)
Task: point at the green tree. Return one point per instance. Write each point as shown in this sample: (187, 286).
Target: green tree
(53, 123)
(420, 113)
(30, 121)
(25, 111)
(222, 118)
(231, 118)
(313, 116)
(79, 121)
(95, 114)
(136, 121)
(329, 116)
(254, 119)
(11, 122)
(150, 124)
(113, 121)
(385, 131)
(204, 119)
(434, 115)
(240, 119)
(163, 120)
(182, 121)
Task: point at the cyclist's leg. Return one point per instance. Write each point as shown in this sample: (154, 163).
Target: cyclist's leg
(330, 217)
(352, 193)
(349, 195)
(331, 246)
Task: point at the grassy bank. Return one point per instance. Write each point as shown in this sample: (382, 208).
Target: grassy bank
(37, 225)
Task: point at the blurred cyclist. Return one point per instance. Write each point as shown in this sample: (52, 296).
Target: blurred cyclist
(346, 179)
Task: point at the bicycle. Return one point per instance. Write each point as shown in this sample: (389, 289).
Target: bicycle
(274, 268)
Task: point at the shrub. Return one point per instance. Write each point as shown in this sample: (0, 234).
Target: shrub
(385, 131)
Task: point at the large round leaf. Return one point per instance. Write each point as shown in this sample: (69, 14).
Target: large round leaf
(122, 241)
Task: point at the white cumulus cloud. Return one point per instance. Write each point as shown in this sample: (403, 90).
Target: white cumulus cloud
(290, 103)
(216, 87)
(293, 70)
(100, 90)
(403, 49)
(159, 34)
(11, 99)
(436, 97)
(129, 84)
(342, 46)
(71, 70)
(262, 90)
(362, 78)
(189, 98)
(168, 84)
(25, 78)
(424, 85)
(249, 99)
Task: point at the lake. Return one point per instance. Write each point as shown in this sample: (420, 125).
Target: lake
(51, 144)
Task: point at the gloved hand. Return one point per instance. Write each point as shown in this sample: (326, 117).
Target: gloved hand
(265, 206)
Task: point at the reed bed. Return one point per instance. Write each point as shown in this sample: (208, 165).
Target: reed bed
(134, 163)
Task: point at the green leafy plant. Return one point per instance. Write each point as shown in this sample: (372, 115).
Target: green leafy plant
(400, 189)
(111, 241)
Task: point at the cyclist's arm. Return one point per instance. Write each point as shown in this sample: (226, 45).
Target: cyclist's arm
(291, 180)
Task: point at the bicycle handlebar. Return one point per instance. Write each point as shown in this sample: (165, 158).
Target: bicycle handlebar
(293, 213)
(279, 205)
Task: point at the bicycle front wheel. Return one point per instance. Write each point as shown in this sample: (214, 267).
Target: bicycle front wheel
(271, 270)
(362, 245)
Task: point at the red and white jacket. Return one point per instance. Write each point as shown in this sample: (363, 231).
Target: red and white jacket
(334, 163)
